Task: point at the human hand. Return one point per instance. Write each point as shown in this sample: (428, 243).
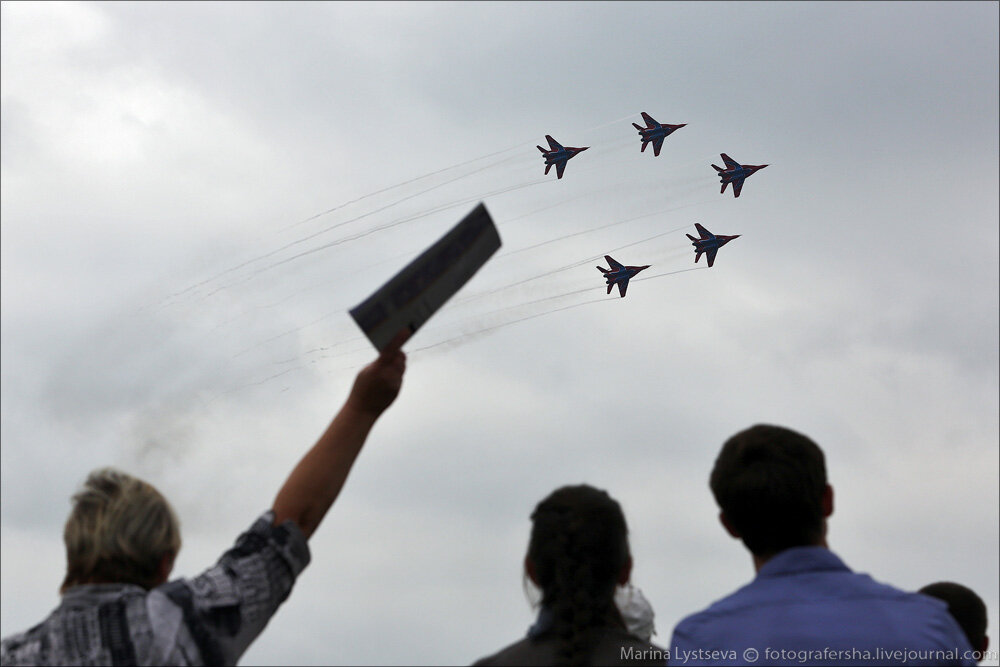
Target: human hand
(378, 383)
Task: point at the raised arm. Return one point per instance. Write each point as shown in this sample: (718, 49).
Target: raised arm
(318, 478)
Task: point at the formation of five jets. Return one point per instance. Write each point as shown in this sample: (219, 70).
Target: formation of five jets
(654, 132)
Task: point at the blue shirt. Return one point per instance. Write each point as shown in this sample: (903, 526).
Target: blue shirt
(806, 607)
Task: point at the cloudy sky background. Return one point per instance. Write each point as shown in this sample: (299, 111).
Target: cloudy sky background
(193, 195)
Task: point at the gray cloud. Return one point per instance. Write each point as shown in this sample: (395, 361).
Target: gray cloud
(170, 303)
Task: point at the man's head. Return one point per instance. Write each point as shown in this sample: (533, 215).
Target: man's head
(770, 483)
(121, 530)
(967, 608)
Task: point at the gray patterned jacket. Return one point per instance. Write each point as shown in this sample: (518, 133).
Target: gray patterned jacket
(208, 620)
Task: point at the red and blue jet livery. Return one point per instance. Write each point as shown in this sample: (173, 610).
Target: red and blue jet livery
(558, 155)
(619, 274)
(709, 243)
(735, 173)
(655, 132)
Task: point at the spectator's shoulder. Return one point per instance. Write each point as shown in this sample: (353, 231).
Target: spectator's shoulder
(522, 652)
(699, 628)
(26, 648)
(225, 607)
(621, 648)
(14, 648)
(725, 606)
(610, 647)
(925, 615)
(940, 622)
(286, 539)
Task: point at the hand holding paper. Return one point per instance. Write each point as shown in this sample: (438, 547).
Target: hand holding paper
(378, 383)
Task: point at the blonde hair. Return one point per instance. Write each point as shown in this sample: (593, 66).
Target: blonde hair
(119, 530)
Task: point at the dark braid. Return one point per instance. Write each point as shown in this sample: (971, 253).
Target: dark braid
(579, 545)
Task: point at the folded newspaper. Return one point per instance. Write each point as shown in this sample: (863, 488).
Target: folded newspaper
(410, 297)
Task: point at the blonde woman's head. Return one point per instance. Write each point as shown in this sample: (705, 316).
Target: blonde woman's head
(121, 530)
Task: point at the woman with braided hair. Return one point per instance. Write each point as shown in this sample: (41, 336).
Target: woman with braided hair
(577, 556)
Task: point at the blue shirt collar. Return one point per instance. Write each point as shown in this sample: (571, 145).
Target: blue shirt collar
(800, 560)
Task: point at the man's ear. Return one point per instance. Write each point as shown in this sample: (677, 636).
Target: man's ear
(626, 572)
(529, 568)
(165, 567)
(724, 520)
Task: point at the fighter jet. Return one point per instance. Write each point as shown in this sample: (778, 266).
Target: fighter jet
(709, 243)
(619, 274)
(558, 155)
(654, 132)
(735, 173)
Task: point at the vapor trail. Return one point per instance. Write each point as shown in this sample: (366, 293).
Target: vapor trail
(399, 185)
(504, 324)
(370, 231)
(609, 225)
(330, 228)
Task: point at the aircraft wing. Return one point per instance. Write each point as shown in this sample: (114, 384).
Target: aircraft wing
(560, 168)
(730, 162)
(553, 144)
(710, 255)
(705, 234)
(615, 266)
(737, 186)
(622, 286)
(649, 119)
(657, 142)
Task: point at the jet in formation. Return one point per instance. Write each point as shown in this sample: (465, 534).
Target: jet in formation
(655, 132)
(558, 155)
(709, 243)
(619, 274)
(735, 173)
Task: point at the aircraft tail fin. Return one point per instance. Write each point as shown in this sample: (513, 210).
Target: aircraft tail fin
(691, 237)
(610, 285)
(717, 167)
(545, 151)
(547, 167)
(637, 126)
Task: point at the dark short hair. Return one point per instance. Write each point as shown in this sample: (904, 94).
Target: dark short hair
(967, 608)
(769, 482)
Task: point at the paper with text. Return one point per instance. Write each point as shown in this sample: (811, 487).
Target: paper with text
(410, 297)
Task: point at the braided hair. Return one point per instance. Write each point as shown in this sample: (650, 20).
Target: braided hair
(578, 549)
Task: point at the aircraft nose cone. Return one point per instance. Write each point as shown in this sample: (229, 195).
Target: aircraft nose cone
(583, 149)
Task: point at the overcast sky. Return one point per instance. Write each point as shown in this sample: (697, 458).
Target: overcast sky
(193, 195)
